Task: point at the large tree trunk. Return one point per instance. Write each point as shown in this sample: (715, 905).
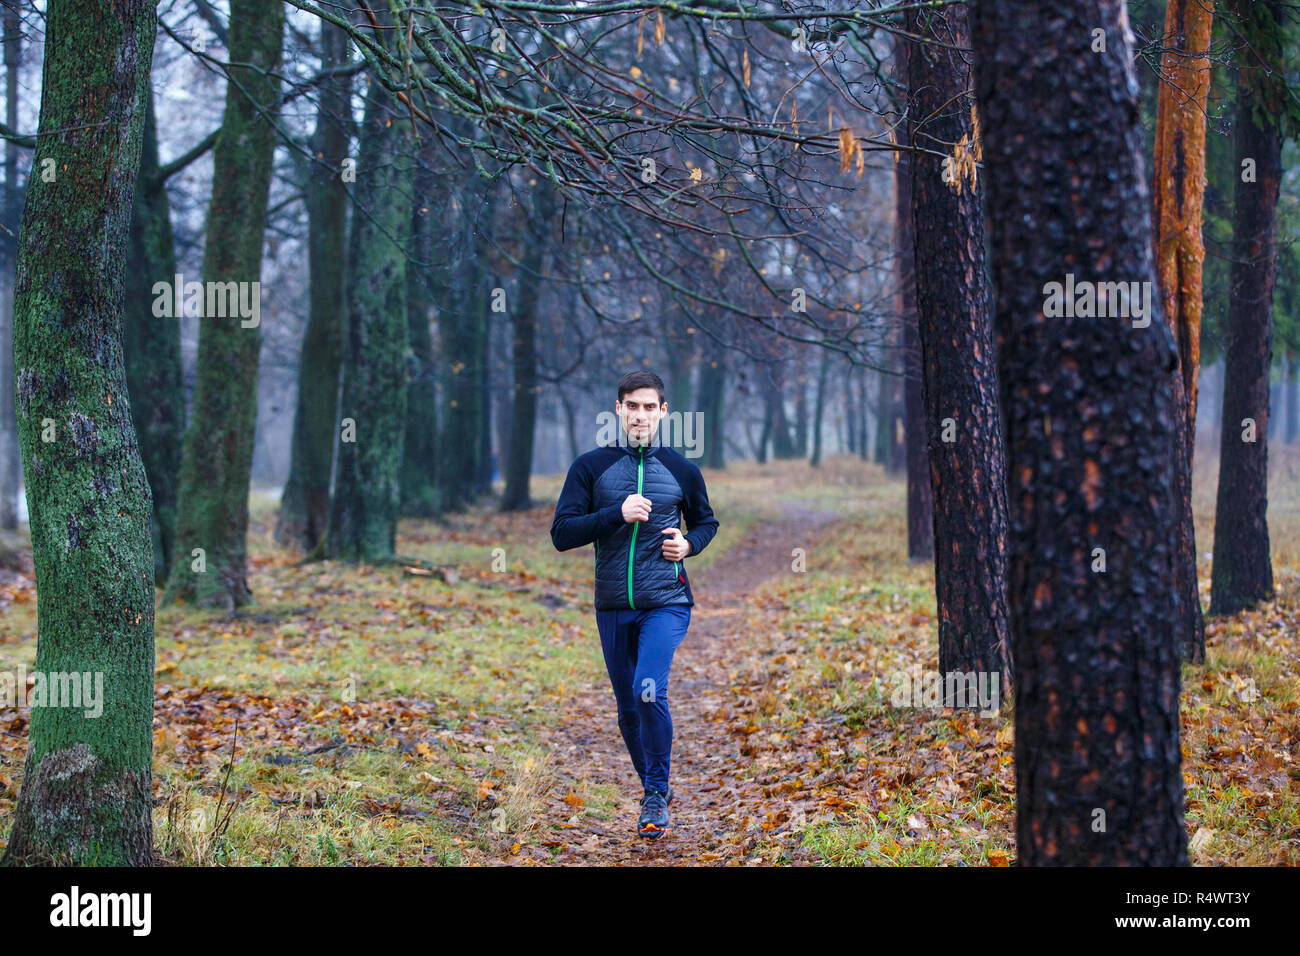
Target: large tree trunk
(367, 489)
(1179, 193)
(10, 212)
(1242, 574)
(86, 792)
(962, 419)
(153, 348)
(212, 513)
(1090, 433)
(920, 499)
(305, 505)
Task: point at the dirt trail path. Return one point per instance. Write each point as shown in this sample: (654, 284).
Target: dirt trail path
(586, 745)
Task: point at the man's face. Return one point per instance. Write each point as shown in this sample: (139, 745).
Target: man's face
(640, 413)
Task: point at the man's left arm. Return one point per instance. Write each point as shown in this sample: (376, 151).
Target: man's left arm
(696, 510)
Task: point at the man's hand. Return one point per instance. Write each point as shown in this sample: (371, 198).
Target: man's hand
(676, 547)
(636, 508)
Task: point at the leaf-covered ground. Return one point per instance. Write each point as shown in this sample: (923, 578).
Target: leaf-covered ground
(375, 716)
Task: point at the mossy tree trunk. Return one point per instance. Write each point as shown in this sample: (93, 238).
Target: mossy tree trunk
(1090, 440)
(367, 490)
(212, 512)
(305, 506)
(153, 347)
(86, 791)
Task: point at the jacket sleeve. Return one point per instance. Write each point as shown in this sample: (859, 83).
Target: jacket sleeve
(575, 522)
(698, 514)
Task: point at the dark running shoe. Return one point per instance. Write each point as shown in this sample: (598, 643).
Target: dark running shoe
(654, 816)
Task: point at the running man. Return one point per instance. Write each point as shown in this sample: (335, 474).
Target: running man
(627, 499)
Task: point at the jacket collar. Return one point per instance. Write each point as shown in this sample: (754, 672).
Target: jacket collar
(635, 450)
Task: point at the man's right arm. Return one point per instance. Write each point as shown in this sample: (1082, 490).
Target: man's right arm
(575, 522)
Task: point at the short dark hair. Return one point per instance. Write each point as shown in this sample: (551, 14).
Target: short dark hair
(641, 378)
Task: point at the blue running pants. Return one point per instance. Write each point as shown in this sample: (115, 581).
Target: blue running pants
(639, 648)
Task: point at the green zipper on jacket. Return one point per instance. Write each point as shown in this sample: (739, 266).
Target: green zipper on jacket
(631, 551)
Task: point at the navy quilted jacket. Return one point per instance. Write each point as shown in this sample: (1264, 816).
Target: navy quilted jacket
(631, 570)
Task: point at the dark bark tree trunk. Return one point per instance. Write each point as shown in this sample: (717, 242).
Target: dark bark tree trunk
(518, 466)
(920, 498)
(305, 505)
(1179, 197)
(1242, 573)
(212, 510)
(783, 444)
(367, 489)
(962, 418)
(463, 329)
(1090, 432)
(153, 348)
(421, 497)
(86, 792)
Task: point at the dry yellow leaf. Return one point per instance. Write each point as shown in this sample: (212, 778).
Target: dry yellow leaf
(847, 146)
